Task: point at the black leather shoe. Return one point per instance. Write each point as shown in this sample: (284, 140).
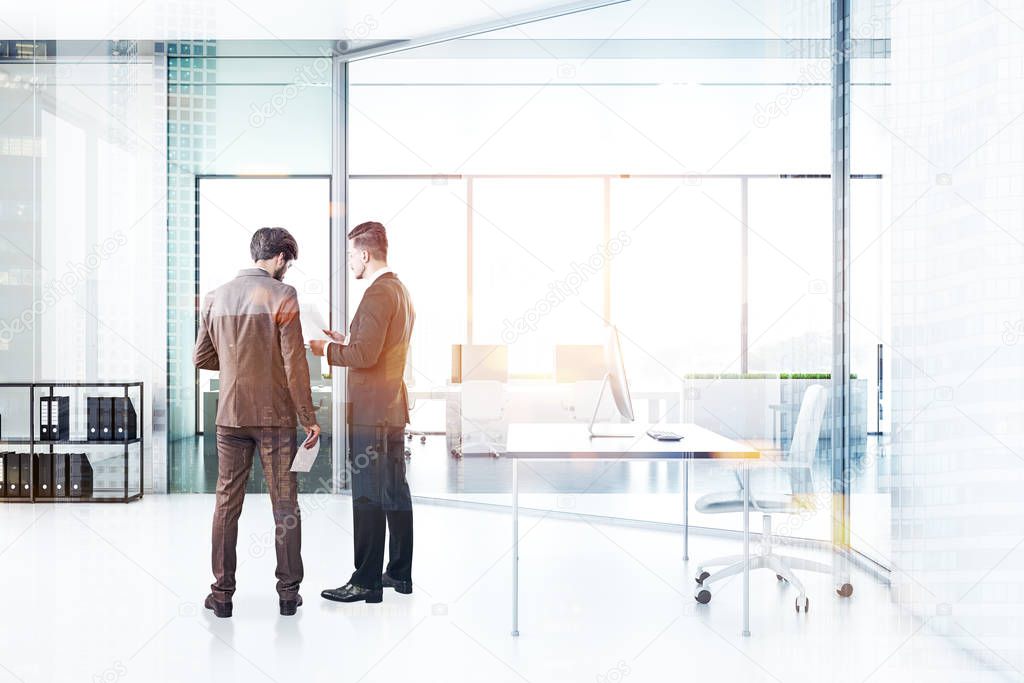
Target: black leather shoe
(221, 609)
(353, 593)
(289, 607)
(403, 587)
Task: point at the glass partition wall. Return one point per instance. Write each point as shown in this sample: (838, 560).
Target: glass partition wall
(610, 167)
(234, 164)
(82, 239)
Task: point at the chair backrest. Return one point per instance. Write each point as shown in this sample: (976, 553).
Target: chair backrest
(483, 400)
(805, 435)
(479, 362)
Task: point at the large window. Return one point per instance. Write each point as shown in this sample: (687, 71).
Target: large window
(230, 210)
(545, 236)
(564, 175)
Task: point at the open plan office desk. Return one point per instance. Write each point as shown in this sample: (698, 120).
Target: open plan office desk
(535, 441)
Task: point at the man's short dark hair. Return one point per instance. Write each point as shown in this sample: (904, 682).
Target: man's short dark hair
(267, 243)
(372, 237)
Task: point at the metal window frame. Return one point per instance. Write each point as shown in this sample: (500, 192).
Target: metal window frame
(392, 46)
(339, 281)
(841, 383)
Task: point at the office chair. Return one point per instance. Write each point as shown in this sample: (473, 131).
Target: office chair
(799, 465)
(483, 427)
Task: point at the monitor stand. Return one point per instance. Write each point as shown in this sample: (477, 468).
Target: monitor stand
(624, 432)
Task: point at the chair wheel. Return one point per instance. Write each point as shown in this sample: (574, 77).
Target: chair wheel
(701, 577)
(807, 605)
(423, 439)
(845, 591)
(780, 577)
(702, 595)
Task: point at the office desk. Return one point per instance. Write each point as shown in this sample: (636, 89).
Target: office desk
(537, 441)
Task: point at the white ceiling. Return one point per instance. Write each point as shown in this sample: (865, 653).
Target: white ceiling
(252, 19)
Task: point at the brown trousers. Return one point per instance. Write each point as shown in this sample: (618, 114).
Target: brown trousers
(234, 451)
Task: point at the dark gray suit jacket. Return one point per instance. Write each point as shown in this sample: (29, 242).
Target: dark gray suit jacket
(376, 353)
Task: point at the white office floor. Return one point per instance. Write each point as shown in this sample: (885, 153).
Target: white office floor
(112, 592)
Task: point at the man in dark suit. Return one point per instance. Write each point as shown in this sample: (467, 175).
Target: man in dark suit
(375, 353)
(249, 331)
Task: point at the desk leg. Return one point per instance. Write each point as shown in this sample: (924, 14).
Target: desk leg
(686, 510)
(515, 547)
(746, 550)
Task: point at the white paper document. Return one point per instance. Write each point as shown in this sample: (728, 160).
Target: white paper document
(305, 457)
(313, 323)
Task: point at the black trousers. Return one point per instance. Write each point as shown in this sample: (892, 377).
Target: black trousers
(381, 504)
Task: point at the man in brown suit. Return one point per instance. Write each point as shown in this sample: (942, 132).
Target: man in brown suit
(375, 355)
(249, 330)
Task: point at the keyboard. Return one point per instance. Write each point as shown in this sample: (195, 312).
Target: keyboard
(664, 436)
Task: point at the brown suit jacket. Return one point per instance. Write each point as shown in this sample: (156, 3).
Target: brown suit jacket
(249, 330)
(375, 355)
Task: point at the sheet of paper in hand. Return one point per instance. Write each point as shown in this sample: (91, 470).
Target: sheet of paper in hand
(305, 457)
(313, 323)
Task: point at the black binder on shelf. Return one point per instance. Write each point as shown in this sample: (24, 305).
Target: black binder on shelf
(79, 476)
(44, 419)
(44, 474)
(25, 462)
(92, 417)
(106, 423)
(12, 475)
(113, 423)
(54, 413)
(60, 475)
(125, 419)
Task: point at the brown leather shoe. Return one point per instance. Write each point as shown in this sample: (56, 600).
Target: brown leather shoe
(290, 607)
(221, 609)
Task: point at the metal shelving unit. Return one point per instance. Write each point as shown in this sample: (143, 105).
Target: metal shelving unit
(39, 389)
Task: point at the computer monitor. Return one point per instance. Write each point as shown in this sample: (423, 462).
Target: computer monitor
(615, 377)
(617, 374)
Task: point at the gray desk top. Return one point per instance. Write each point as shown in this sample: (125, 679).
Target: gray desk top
(537, 441)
